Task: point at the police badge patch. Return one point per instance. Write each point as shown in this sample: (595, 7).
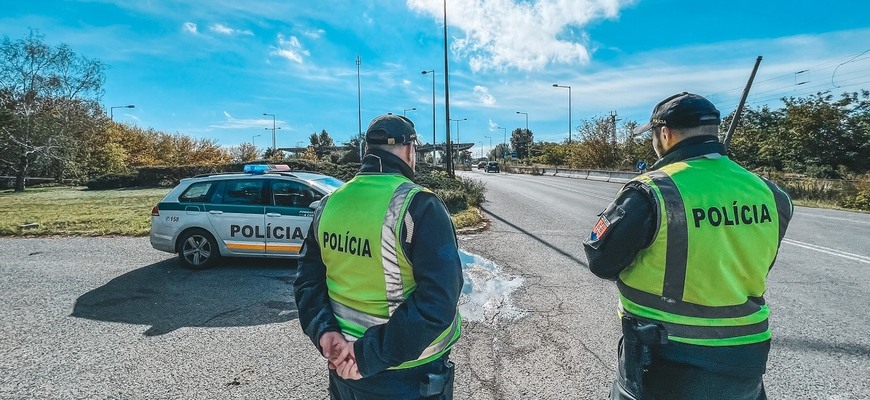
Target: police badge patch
(600, 228)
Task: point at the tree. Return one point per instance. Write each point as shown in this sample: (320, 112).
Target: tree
(521, 140)
(245, 152)
(321, 143)
(48, 94)
(498, 151)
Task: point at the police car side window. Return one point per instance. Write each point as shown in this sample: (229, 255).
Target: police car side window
(243, 192)
(196, 193)
(291, 194)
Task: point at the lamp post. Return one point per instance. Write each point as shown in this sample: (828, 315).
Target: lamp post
(273, 130)
(408, 109)
(457, 127)
(490, 145)
(569, 109)
(527, 129)
(527, 118)
(112, 109)
(252, 140)
(432, 71)
(504, 142)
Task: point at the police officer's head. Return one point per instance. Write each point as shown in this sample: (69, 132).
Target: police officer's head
(678, 117)
(393, 133)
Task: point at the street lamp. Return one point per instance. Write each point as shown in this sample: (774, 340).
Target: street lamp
(490, 145)
(408, 109)
(569, 109)
(252, 140)
(527, 126)
(527, 118)
(273, 129)
(112, 109)
(432, 71)
(504, 142)
(457, 127)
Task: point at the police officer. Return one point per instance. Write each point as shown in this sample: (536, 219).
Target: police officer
(690, 244)
(380, 276)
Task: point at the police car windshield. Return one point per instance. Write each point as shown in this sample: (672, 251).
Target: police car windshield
(327, 184)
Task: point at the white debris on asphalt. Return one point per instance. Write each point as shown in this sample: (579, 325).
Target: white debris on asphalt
(487, 289)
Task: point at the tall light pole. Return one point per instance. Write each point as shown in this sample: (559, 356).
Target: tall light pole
(273, 130)
(490, 145)
(112, 109)
(359, 110)
(569, 109)
(450, 172)
(457, 127)
(432, 71)
(504, 142)
(408, 109)
(527, 118)
(253, 143)
(527, 130)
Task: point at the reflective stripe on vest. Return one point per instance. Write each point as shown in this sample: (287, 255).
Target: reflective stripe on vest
(390, 244)
(367, 321)
(688, 322)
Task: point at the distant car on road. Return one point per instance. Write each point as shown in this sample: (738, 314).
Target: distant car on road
(492, 166)
(264, 211)
(481, 165)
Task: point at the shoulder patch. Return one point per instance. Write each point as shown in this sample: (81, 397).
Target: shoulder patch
(600, 228)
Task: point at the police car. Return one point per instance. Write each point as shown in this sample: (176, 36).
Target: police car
(264, 211)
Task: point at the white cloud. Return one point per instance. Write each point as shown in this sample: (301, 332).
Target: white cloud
(290, 49)
(190, 27)
(235, 123)
(226, 30)
(483, 95)
(529, 35)
(314, 34)
(406, 82)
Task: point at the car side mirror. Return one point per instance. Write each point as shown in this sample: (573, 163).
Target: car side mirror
(314, 205)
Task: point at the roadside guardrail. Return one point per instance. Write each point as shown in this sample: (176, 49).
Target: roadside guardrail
(589, 174)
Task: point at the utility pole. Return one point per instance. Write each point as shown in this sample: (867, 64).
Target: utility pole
(359, 111)
(613, 120)
(449, 157)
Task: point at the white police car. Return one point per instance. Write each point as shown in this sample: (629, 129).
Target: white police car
(264, 211)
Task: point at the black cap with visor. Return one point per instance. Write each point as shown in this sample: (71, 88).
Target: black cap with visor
(682, 110)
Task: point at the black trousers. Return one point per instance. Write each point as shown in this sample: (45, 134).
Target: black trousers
(665, 380)
(430, 381)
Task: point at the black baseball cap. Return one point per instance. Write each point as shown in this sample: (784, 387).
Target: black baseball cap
(391, 129)
(683, 110)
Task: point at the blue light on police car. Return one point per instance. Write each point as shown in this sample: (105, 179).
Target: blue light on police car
(256, 168)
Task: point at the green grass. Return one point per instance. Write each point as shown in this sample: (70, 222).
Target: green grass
(77, 211)
(65, 211)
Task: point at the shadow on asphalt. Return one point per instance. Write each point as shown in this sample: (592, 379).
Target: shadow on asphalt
(165, 296)
(539, 240)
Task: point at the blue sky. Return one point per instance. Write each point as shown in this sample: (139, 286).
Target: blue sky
(212, 68)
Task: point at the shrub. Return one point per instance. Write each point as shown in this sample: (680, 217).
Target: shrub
(113, 181)
(454, 200)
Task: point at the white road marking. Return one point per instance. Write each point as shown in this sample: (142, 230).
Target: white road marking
(806, 214)
(828, 250)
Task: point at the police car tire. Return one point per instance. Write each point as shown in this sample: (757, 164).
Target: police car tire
(196, 241)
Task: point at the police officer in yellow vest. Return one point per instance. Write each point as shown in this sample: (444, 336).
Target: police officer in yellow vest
(690, 244)
(380, 276)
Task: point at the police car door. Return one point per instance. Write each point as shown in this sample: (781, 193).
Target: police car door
(288, 217)
(236, 214)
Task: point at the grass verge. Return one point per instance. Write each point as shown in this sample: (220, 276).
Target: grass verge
(65, 211)
(77, 211)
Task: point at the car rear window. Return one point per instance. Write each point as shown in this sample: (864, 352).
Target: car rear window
(196, 193)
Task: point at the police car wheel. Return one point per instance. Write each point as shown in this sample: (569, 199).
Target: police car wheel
(197, 249)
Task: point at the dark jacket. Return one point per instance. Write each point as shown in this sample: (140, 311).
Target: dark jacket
(434, 255)
(612, 253)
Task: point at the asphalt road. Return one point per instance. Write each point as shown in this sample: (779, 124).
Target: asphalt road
(111, 318)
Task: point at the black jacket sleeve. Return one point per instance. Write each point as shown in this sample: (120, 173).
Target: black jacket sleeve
(431, 308)
(309, 287)
(623, 229)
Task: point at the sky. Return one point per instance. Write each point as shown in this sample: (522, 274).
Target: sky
(212, 69)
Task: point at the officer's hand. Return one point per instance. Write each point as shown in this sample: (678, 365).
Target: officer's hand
(348, 369)
(334, 348)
